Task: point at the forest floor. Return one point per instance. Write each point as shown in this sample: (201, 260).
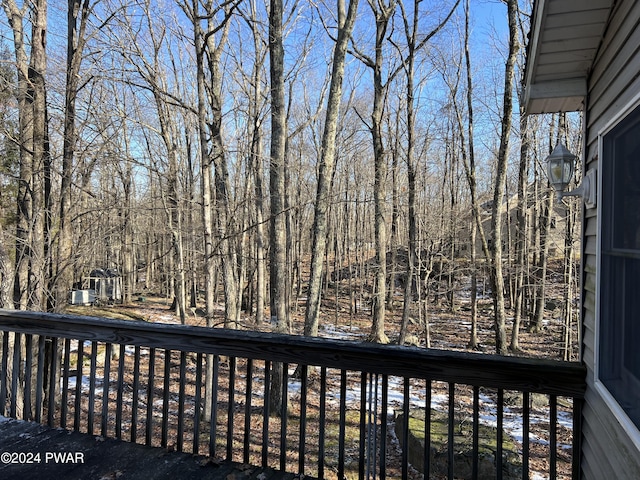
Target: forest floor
(448, 329)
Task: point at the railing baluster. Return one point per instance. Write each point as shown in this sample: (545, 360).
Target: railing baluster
(78, 390)
(266, 413)
(383, 427)
(450, 438)
(284, 416)
(231, 406)
(363, 425)
(120, 391)
(500, 433)
(106, 375)
(197, 408)
(3, 373)
(476, 432)
(343, 421)
(525, 435)
(150, 385)
(405, 428)
(92, 386)
(213, 421)
(322, 418)
(553, 437)
(165, 398)
(135, 394)
(27, 414)
(53, 387)
(65, 383)
(40, 378)
(303, 418)
(15, 375)
(247, 412)
(373, 458)
(427, 429)
(181, 399)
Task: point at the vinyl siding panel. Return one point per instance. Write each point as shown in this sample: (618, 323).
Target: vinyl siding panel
(612, 72)
(609, 451)
(621, 459)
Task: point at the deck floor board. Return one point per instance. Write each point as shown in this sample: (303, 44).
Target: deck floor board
(106, 459)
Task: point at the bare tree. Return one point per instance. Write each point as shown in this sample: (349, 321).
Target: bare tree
(256, 154)
(208, 49)
(30, 282)
(382, 13)
(209, 41)
(497, 279)
(78, 12)
(153, 73)
(327, 164)
(521, 232)
(277, 172)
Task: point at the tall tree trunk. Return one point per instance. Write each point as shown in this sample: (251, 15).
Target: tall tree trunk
(382, 13)
(77, 16)
(543, 254)
(327, 166)
(192, 10)
(497, 278)
(277, 172)
(521, 233)
(256, 170)
(411, 36)
(29, 281)
(25, 140)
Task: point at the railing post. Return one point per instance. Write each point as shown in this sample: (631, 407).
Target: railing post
(577, 439)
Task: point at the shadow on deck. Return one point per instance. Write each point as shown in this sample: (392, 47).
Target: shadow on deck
(29, 450)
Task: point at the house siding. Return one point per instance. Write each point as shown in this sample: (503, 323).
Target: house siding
(609, 451)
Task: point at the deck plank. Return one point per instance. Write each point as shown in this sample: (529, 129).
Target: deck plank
(107, 459)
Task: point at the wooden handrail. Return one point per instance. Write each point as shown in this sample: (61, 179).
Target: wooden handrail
(511, 373)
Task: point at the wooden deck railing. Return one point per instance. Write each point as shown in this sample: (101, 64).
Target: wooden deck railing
(343, 415)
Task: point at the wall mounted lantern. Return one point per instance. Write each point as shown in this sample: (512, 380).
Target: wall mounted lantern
(560, 168)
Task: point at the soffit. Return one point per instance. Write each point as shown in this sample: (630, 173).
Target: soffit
(564, 40)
